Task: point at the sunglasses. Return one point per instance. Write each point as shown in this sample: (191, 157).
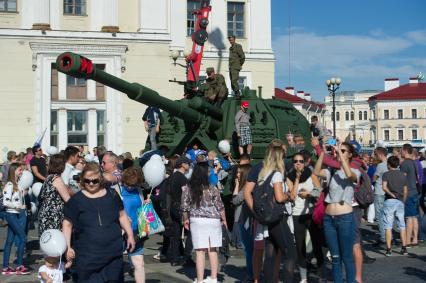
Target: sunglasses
(301, 161)
(343, 150)
(93, 181)
(39, 149)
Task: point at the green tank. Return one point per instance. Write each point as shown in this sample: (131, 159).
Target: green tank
(193, 120)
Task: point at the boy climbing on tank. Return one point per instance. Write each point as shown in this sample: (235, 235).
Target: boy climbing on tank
(242, 127)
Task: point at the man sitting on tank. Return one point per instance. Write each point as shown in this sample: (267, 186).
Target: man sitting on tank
(215, 87)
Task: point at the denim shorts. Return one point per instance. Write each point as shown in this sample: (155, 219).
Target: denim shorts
(412, 206)
(392, 208)
(137, 251)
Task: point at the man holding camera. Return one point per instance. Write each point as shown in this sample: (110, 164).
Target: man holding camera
(319, 130)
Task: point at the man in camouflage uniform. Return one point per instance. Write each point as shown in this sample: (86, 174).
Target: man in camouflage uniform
(236, 61)
(216, 90)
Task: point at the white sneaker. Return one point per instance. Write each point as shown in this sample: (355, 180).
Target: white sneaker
(209, 280)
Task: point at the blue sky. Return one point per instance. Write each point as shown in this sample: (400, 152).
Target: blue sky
(362, 41)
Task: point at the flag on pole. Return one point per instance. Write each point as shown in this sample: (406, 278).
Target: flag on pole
(40, 138)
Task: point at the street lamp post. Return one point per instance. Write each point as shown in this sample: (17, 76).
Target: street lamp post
(333, 85)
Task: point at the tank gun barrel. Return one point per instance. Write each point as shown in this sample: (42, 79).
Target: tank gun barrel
(80, 67)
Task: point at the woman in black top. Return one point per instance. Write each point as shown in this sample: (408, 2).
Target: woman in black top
(96, 216)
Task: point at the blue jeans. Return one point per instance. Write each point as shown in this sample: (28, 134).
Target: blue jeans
(248, 242)
(379, 201)
(15, 229)
(339, 233)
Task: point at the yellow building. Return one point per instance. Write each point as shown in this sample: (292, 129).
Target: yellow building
(130, 39)
(399, 113)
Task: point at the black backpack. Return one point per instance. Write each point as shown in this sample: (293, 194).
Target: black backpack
(266, 210)
(364, 194)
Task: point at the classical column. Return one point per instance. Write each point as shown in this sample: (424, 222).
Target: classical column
(110, 16)
(178, 25)
(259, 26)
(154, 16)
(63, 129)
(41, 10)
(92, 135)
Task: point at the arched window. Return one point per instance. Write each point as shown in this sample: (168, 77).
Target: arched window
(360, 115)
(347, 116)
(365, 115)
(352, 115)
(337, 116)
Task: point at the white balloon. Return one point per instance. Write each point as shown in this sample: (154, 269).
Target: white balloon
(36, 188)
(154, 172)
(33, 208)
(51, 150)
(52, 242)
(26, 180)
(224, 146)
(89, 157)
(156, 157)
(30, 191)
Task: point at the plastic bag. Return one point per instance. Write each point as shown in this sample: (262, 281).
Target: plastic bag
(148, 221)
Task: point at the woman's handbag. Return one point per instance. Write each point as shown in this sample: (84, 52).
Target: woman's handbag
(149, 222)
(319, 210)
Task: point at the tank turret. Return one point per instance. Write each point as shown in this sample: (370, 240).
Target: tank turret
(194, 120)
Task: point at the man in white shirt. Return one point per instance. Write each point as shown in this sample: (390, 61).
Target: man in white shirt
(71, 154)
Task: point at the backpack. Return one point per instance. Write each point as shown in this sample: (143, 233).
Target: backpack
(364, 194)
(266, 210)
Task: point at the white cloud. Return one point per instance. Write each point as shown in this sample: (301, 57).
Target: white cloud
(418, 36)
(311, 51)
(365, 59)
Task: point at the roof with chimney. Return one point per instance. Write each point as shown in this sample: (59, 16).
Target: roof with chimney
(410, 91)
(294, 99)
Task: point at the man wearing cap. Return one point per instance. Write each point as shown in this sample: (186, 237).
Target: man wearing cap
(242, 127)
(216, 90)
(236, 61)
(177, 181)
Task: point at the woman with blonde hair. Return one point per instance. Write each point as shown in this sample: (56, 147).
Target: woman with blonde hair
(278, 237)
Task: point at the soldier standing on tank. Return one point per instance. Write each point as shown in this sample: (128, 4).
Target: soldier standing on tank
(216, 90)
(236, 61)
(242, 127)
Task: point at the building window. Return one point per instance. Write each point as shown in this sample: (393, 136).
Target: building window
(400, 135)
(347, 116)
(385, 114)
(386, 135)
(54, 128)
(76, 88)
(414, 113)
(400, 114)
(77, 127)
(191, 18)
(360, 115)
(373, 113)
(236, 19)
(75, 7)
(414, 134)
(352, 115)
(337, 116)
(100, 126)
(8, 6)
(365, 115)
(242, 82)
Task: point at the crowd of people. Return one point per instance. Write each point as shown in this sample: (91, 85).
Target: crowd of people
(209, 201)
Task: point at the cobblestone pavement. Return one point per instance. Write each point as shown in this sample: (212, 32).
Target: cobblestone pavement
(397, 268)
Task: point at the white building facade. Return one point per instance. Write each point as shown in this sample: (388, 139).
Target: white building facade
(352, 115)
(129, 39)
